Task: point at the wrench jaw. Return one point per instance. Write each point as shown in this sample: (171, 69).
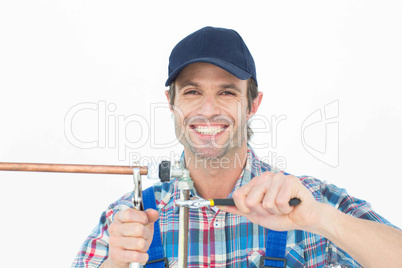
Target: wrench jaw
(137, 201)
(196, 203)
(137, 196)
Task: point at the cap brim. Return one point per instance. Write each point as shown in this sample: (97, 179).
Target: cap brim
(227, 66)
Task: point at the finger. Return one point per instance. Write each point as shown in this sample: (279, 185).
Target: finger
(254, 203)
(288, 191)
(230, 209)
(241, 194)
(264, 190)
(122, 258)
(131, 215)
(253, 217)
(265, 186)
(256, 195)
(134, 256)
(131, 243)
(152, 215)
(234, 210)
(135, 229)
(269, 203)
(239, 197)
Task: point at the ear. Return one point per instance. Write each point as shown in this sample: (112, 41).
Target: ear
(254, 106)
(168, 99)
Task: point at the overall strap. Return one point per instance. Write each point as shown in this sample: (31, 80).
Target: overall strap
(275, 250)
(155, 251)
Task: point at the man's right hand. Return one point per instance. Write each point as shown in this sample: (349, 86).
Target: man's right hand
(130, 236)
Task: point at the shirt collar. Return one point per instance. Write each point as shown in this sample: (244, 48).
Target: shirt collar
(251, 169)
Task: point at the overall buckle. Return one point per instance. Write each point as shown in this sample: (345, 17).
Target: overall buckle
(264, 258)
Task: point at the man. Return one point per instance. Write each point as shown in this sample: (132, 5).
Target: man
(213, 92)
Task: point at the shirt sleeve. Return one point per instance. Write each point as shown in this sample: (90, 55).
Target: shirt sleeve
(342, 201)
(350, 205)
(95, 249)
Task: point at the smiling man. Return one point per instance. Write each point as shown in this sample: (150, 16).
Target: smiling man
(211, 111)
(213, 93)
(207, 109)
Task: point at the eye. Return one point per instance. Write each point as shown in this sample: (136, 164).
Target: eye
(228, 93)
(191, 92)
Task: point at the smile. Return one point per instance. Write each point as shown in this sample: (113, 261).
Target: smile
(209, 130)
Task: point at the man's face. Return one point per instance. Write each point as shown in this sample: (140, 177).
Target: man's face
(210, 111)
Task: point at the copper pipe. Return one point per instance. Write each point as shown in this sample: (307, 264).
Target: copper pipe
(97, 169)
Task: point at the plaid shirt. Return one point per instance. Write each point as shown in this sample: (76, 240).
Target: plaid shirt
(219, 239)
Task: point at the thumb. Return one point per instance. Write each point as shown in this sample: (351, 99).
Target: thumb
(152, 215)
(231, 209)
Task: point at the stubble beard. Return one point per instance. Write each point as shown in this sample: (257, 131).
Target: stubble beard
(211, 150)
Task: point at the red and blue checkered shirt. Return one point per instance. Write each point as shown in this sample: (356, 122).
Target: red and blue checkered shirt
(220, 239)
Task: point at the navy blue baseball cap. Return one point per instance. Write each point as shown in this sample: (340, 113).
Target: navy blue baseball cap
(222, 47)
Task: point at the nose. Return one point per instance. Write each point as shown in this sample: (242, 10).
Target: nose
(209, 106)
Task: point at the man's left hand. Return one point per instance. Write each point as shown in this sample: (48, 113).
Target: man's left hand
(265, 201)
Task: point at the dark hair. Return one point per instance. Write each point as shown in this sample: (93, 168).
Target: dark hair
(252, 93)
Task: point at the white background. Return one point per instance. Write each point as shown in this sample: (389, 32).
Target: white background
(55, 55)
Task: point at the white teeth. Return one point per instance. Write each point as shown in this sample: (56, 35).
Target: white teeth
(209, 130)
